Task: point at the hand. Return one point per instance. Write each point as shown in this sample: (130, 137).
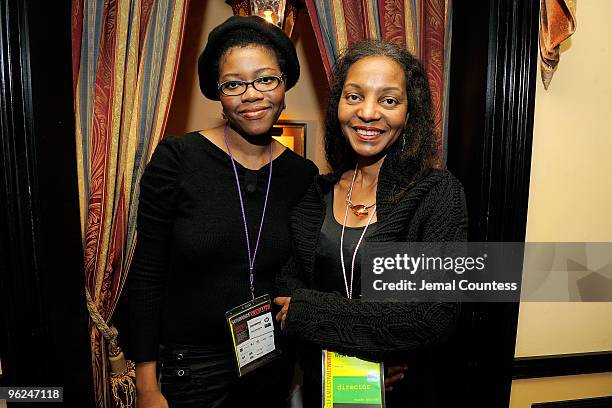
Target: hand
(394, 374)
(282, 315)
(151, 399)
(148, 394)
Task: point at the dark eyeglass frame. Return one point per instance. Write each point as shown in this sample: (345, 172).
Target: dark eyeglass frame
(280, 79)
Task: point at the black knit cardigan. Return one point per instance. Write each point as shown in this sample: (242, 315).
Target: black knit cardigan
(432, 210)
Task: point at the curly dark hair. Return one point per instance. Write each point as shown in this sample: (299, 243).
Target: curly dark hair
(413, 155)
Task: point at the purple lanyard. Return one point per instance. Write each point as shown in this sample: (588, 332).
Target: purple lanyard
(263, 215)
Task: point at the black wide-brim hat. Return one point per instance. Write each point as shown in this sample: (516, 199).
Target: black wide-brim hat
(276, 36)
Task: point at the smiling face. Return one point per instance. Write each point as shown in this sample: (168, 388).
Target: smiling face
(253, 113)
(373, 107)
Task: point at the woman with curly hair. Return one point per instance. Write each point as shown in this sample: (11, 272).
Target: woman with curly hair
(381, 147)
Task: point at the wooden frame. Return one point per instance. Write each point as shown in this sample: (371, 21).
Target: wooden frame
(562, 364)
(491, 104)
(292, 134)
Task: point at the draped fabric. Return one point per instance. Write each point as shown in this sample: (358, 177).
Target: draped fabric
(557, 24)
(125, 58)
(422, 26)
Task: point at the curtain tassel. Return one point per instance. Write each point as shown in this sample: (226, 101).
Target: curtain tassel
(123, 372)
(123, 375)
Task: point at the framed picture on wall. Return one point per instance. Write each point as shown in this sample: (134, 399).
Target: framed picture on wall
(292, 135)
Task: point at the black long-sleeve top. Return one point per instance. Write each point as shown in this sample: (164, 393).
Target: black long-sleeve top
(191, 263)
(433, 210)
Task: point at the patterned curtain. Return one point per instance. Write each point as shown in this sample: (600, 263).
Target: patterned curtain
(125, 58)
(422, 26)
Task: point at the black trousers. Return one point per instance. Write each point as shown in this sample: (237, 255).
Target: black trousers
(206, 377)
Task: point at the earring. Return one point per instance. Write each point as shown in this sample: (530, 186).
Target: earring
(404, 132)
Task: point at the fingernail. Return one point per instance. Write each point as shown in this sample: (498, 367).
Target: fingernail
(401, 376)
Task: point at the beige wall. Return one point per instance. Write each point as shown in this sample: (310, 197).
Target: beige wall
(571, 180)
(570, 199)
(571, 190)
(190, 110)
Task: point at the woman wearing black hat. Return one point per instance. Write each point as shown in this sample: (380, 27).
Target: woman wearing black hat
(213, 230)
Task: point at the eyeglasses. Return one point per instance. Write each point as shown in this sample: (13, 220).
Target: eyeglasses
(262, 84)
